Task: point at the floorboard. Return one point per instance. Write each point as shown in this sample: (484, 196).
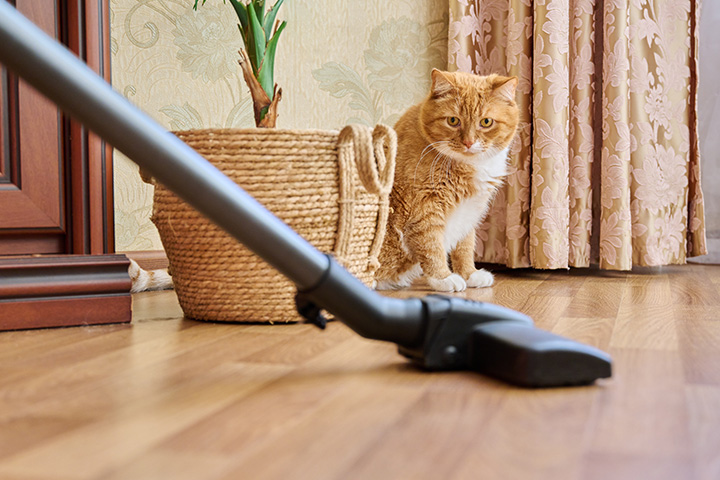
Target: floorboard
(169, 398)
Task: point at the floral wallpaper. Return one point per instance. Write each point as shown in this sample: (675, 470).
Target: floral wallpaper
(338, 62)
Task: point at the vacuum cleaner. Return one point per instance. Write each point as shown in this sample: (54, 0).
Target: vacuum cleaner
(435, 332)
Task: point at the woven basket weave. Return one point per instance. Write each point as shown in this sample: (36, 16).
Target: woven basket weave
(331, 187)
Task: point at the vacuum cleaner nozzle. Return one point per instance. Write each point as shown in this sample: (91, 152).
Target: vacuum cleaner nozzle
(440, 332)
(465, 335)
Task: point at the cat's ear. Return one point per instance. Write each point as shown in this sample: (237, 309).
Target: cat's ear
(505, 87)
(441, 85)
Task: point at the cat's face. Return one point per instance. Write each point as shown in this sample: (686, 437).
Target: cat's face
(469, 117)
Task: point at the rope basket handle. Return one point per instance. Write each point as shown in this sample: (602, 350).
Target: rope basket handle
(374, 157)
(376, 169)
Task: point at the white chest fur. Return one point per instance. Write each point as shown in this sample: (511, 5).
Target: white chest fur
(463, 220)
(470, 211)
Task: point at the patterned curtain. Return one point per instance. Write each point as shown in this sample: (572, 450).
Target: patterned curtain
(605, 168)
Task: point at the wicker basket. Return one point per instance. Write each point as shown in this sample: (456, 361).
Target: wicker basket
(331, 187)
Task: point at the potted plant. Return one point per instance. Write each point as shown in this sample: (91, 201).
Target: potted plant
(332, 187)
(260, 34)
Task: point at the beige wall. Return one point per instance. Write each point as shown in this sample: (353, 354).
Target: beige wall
(339, 62)
(709, 116)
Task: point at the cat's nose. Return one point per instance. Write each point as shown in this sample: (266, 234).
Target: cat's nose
(468, 143)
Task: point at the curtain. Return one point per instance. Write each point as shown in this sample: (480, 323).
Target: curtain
(605, 168)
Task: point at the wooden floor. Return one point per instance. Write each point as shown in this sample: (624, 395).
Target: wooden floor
(167, 398)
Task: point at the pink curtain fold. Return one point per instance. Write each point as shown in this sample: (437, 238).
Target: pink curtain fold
(605, 169)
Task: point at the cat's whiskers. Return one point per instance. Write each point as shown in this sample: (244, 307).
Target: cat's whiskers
(441, 168)
(427, 150)
(448, 163)
(444, 166)
(447, 152)
(423, 153)
(432, 168)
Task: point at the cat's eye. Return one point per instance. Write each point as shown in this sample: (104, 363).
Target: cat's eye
(453, 121)
(486, 122)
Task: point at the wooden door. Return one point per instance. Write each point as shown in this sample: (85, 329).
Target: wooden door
(56, 215)
(55, 176)
(32, 198)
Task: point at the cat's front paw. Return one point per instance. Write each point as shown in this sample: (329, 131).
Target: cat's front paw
(480, 278)
(451, 283)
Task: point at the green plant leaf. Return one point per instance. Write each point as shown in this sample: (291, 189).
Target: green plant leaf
(242, 34)
(259, 6)
(256, 41)
(267, 69)
(241, 11)
(270, 18)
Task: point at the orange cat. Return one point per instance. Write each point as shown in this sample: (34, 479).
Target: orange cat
(451, 159)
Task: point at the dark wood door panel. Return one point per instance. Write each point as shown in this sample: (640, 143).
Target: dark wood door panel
(8, 142)
(92, 229)
(41, 162)
(39, 243)
(55, 176)
(32, 193)
(21, 212)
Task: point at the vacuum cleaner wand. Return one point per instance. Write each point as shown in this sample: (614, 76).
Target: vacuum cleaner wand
(436, 332)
